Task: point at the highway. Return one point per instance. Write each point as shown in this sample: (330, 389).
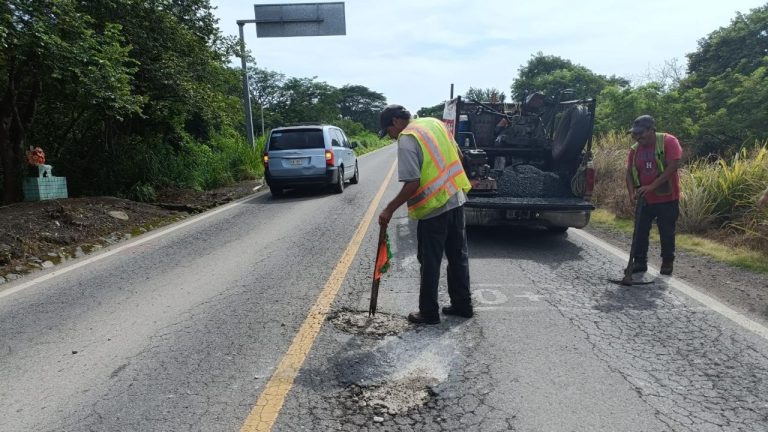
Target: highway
(254, 317)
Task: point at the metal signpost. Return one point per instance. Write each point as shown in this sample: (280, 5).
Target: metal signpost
(288, 20)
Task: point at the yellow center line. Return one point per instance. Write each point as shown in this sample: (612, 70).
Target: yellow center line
(264, 414)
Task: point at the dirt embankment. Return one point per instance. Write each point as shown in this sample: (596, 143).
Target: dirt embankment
(36, 235)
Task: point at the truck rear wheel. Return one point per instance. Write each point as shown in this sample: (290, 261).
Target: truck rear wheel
(572, 134)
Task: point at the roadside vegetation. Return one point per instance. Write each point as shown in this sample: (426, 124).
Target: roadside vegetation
(716, 106)
(718, 212)
(128, 98)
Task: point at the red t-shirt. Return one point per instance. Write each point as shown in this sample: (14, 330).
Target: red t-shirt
(647, 171)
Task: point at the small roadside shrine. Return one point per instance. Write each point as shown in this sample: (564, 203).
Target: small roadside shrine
(44, 186)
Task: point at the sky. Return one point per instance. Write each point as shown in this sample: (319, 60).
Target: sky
(412, 51)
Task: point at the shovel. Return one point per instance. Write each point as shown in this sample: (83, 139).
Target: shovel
(627, 279)
(381, 257)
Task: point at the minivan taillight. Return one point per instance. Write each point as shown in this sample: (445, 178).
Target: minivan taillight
(265, 158)
(329, 158)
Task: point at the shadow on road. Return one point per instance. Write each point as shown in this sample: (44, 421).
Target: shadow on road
(641, 298)
(552, 250)
(291, 196)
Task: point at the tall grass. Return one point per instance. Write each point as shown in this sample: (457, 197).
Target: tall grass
(610, 161)
(718, 194)
(368, 142)
(698, 200)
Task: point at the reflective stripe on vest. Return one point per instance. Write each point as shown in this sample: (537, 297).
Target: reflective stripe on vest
(442, 174)
(659, 158)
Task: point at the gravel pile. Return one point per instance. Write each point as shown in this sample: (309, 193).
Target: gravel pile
(527, 181)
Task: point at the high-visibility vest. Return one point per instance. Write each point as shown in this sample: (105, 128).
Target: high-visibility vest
(442, 174)
(659, 158)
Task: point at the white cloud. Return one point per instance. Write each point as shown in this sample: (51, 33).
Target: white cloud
(411, 51)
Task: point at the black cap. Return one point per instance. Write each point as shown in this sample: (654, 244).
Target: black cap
(641, 124)
(390, 113)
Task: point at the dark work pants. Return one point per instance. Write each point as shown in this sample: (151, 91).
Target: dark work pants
(666, 219)
(444, 233)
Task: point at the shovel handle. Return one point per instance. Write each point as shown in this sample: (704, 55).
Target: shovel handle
(375, 283)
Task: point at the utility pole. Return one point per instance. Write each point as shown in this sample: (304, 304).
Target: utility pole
(246, 88)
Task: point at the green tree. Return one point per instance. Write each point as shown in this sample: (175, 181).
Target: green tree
(308, 100)
(267, 94)
(50, 46)
(189, 97)
(362, 105)
(488, 95)
(551, 74)
(737, 48)
(673, 110)
(435, 111)
(736, 114)
(728, 74)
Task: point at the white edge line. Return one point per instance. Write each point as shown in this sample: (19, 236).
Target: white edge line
(109, 252)
(683, 287)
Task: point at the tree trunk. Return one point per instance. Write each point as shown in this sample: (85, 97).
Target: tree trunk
(12, 171)
(13, 126)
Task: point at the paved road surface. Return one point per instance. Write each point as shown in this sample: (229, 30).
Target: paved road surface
(185, 332)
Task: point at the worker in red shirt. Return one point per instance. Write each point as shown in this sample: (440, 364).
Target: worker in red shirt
(652, 175)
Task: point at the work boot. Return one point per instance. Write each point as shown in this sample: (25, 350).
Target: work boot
(666, 266)
(419, 318)
(465, 311)
(640, 265)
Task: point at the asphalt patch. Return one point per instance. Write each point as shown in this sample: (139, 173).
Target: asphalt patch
(359, 323)
(393, 397)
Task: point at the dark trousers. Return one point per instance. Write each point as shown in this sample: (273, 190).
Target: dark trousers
(444, 233)
(666, 219)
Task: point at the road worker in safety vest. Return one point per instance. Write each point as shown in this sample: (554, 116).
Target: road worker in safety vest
(652, 175)
(434, 187)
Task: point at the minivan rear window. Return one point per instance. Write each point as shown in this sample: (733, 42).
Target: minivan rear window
(296, 139)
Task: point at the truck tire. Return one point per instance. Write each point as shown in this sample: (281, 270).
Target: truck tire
(572, 134)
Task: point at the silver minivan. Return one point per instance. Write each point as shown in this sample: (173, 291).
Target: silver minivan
(307, 155)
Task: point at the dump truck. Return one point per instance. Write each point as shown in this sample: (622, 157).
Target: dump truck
(529, 163)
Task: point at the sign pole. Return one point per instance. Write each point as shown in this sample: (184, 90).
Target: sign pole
(246, 88)
(286, 20)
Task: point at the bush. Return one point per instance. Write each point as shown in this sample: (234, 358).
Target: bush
(368, 142)
(698, 198)
(142, 192)
(715, 194)
(610, 161)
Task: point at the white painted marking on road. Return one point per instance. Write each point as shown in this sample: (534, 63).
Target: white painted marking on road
(682, 287)
(496, 297)
(109, 252)
(530, 296)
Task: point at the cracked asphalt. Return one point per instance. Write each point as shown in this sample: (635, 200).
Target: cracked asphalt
(183, 332)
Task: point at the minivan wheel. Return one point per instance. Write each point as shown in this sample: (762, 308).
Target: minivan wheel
(276, 191)
(339, 187)
(355, 178)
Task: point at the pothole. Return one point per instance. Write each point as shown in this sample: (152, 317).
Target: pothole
(359, 323)
(393, 397)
